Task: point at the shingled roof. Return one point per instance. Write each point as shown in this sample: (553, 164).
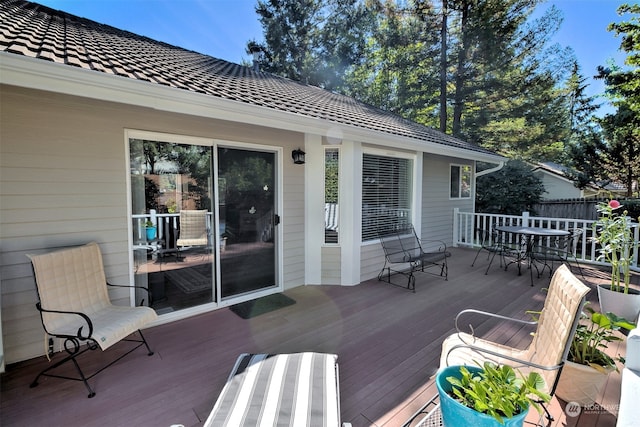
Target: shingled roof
(40, 32)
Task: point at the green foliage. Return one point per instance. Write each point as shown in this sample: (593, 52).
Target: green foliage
(312, 41)
(621, 129)
(613, 232)
(511, 190)
(623, 84)
(400, 73)
(621, 159)
(500, 79)
(497, 391)
(331, 177)
(592, 337)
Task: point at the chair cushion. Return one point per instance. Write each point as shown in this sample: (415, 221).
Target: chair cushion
(298, 389)
(74, 280)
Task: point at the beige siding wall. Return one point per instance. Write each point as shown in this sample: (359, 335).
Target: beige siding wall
(371, 260)
(331, 265)
(63, 182)
(557, 188)
(437, 207)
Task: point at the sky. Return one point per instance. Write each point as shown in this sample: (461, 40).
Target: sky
(221, 28)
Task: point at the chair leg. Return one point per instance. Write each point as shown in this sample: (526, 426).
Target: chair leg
(477, 253)
(72, 347)
(491, 262)
(149, 351)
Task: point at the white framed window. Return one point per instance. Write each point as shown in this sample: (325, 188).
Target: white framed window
(460, 179)
(331, 193)
(386, 193)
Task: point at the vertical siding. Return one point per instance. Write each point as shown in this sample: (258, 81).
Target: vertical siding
(63, 182)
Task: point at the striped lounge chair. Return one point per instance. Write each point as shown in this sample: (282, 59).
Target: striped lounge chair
(299, 389)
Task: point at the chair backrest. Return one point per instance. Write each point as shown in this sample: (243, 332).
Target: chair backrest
(488, 237)
(70, 280)
(193, 227)
(400, 245)
(558, 321)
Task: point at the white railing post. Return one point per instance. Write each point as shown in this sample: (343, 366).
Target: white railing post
(525, 219)
(456, 225)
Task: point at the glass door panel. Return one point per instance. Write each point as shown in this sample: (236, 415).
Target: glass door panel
(173, 252)
(246, 209)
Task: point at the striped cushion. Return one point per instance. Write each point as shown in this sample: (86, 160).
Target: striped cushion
(280, 390)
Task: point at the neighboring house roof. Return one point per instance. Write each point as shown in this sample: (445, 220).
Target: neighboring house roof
(36, 31)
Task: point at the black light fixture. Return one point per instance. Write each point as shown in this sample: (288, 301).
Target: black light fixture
(298, 156)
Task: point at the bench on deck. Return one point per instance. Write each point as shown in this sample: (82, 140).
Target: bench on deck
(402, 247)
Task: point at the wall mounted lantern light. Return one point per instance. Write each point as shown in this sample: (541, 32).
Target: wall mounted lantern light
(298, 156)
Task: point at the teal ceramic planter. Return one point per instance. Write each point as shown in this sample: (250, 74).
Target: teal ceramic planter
(151, 233)
(455, 414)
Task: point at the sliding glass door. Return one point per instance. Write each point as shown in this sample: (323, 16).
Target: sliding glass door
(246, 206)
(171, 195)
(192, 245)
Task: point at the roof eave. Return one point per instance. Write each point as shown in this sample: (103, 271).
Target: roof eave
(38, 74)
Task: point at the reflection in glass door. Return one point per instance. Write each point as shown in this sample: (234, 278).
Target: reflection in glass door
(246, 208)
(172, 223)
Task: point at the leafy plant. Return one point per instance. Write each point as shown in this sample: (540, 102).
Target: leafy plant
(613, 232)
(497, 391)
(149, 224)
(592, 337)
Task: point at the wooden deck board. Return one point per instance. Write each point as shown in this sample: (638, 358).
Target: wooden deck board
(388, 341)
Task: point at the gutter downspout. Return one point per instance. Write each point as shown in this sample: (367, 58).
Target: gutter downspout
(492, 170)
(484, 172)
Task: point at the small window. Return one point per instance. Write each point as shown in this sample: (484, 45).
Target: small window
(460, 182)
(331, 176)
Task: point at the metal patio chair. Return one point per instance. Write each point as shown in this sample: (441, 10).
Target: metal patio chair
(491, 242)
(551, 341)
(74, 306)
(560, 249)
(403, 248)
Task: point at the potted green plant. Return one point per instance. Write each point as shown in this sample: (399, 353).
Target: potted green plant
(613, 231)
(151, 229)
(588, 365)
(487, 395)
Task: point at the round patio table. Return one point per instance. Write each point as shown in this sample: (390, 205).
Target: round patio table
(528, 237)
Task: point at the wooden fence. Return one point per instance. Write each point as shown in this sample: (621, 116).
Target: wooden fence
(580, 208)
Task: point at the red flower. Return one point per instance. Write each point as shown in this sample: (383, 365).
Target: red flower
(614, 204)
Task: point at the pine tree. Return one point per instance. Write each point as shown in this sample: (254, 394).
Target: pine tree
(622, 128)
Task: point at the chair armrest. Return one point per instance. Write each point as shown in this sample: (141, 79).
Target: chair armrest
(505, 356)
(75, 313)
(133, 286)
(129, 286)
(443, 245)
(492, 315)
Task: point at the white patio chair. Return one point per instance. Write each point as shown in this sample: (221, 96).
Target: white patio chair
(551, 341)
(193, 230)
(74, 306)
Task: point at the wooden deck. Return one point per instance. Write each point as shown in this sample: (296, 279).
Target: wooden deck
(387, 339)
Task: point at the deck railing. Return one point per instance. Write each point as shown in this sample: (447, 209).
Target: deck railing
(465, 225)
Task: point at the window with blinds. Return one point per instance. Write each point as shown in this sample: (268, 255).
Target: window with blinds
(386, 194)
